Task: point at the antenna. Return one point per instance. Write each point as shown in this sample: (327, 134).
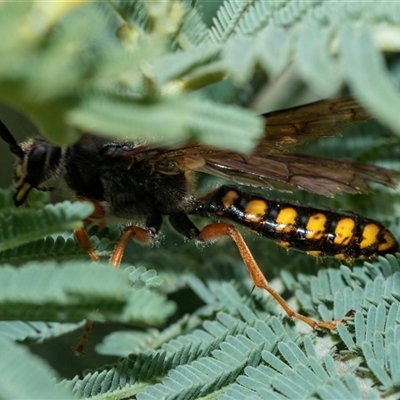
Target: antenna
(6, 135)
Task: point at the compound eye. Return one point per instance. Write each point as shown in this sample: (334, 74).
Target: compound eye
(36, 166)
(35, 172)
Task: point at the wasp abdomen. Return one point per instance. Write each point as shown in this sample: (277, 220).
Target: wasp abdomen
(318, 232)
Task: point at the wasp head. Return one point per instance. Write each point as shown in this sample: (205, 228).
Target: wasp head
(37, 164)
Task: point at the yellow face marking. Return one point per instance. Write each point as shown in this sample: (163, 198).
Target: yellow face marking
(369, 235)
(23, 191)
(18, 174)
(286, 220)
(255, 210)
(229, 198)
(344, 231)
(18, 170)
(388, 242)
(315, 227)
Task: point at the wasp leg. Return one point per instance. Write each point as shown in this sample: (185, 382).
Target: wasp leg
(79, 349)
(182, 224)
(141, 235)
(81, 235)
(84, 241)
(214, 231)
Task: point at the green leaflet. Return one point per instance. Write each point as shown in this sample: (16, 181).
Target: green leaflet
(35, 331)
(371, 81)
(99, 84)
(74, 290)
(174, 118)
(28, 225)
(37, 200)
(374, 338)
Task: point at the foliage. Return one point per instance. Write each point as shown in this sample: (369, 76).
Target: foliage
(157, 70)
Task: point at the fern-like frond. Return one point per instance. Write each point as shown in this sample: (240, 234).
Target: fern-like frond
(360, 74)
(228, 17)
(37, 200)
(190, 29)
(348, 289)
(193, 30)
(41, 292)
(124, 343)
(375, 338)
(293, 374)
(113, 101)
(146, 308)
(134, 12)
(174, 118)
(45, 289)
(222, 348)
(140, 277)
(29, 225)
(61, 247)
(35, 331)
(179, 65)
(324, 44)
(172, 338)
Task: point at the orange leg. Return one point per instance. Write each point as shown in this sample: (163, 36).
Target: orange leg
(80, 347)
(135, 232)
(83, 240)
(214, 231)
(98, 213)
(80, 233)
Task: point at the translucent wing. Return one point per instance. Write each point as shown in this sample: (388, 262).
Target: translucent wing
(270, 165)
(323, 176)
(287, 129)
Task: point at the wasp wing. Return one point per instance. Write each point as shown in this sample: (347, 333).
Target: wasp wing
(323, 176)
(287, 129)
(270, 166)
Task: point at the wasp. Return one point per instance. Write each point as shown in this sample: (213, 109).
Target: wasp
(139, 183)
